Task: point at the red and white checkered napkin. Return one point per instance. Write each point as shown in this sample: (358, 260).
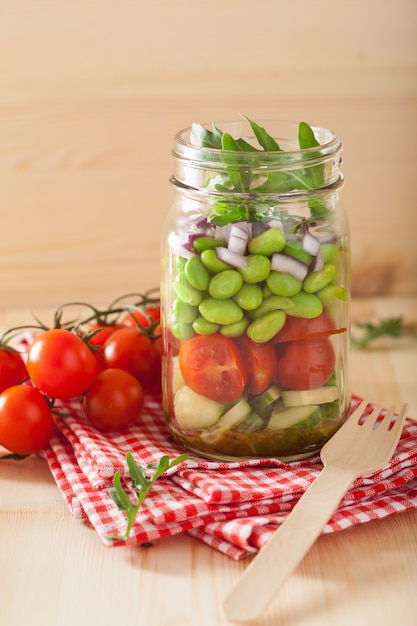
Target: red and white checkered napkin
(233, 507)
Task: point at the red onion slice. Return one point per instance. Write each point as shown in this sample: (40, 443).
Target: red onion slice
(317, 263)
(311, 244)
(288, 265)
(238, 239)
(230, 257)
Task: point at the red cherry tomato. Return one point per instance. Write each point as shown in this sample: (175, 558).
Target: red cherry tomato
(260, 360)
(114, 401)
(102, 333)
(213, 366)
(296, 328)
(61, 364)
(26, 423)
(12, 368)
(130, 350)
(305, 364)
(144, 318)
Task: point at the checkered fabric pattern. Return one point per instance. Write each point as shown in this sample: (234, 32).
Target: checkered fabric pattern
(232, 507)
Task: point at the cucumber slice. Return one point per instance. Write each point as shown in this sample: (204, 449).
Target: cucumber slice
(295, 416)
(194, 411)
(251, 424)
(322, 395)
(268, 397)
(235, 415)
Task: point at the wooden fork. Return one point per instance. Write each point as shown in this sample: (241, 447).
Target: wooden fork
(360, 446)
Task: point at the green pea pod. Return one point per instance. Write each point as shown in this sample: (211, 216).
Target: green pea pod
(257, 268)
(283, 284)
(225, 284)
(318, 280)
(264, 328)
(249, 297)
(212, 262)
(220, 311)
(202, 327)
(184, 312)
(185, 292)
(182, 330)
(235, 330)
(306, 305)
(268, 242)
(273, 303)
(207, 243)
(196, 274)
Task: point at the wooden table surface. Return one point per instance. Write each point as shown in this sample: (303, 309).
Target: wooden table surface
(56, 572)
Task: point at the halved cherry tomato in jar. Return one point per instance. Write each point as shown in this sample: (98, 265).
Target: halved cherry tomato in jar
(213, 366)
(26, 423)
(260, 360)
(305, 364)
(129, 349)
(12, 368)
(296, 328)
(114, 401)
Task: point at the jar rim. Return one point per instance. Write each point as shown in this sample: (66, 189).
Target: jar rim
(329, 143)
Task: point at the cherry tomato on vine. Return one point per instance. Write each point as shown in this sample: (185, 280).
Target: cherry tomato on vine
(114, 400)
(129, 349)
(61, 364)
(213, 366)
(149, 316)
(260, 359)
(12, 368)
(305, 364)
(101, 333)
(26, 423)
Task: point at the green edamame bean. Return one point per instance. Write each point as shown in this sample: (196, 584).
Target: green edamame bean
(203, 327)
(185, 292)
(283, 284)
(306, 305)
(220, 311)
(249, 297)
(264, 328)
(182, 331)
(268, 242)
(225, 284)
(273, 303)
(235, 330)
(328, 295)
(296, 250)
(257, 268)
(196, 274)
(184, 312)
(330, 252)
(207, 243)
(317, 280)
(212, 262)
(179, 263)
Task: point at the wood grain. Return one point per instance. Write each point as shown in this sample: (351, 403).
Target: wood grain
(56, 572)
(91, 94)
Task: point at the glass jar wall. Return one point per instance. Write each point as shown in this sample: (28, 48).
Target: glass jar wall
(255, 291)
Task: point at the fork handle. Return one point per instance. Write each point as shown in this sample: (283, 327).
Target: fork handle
(287, 546)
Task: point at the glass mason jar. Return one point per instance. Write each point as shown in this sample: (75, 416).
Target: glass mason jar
(255, 291)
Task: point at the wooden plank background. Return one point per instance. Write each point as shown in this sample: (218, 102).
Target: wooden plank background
(92, 92)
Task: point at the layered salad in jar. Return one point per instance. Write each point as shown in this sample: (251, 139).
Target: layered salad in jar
(255, 308)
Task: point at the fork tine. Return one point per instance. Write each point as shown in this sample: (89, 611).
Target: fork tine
(370, 420)
(398, 424)
(387, 419)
